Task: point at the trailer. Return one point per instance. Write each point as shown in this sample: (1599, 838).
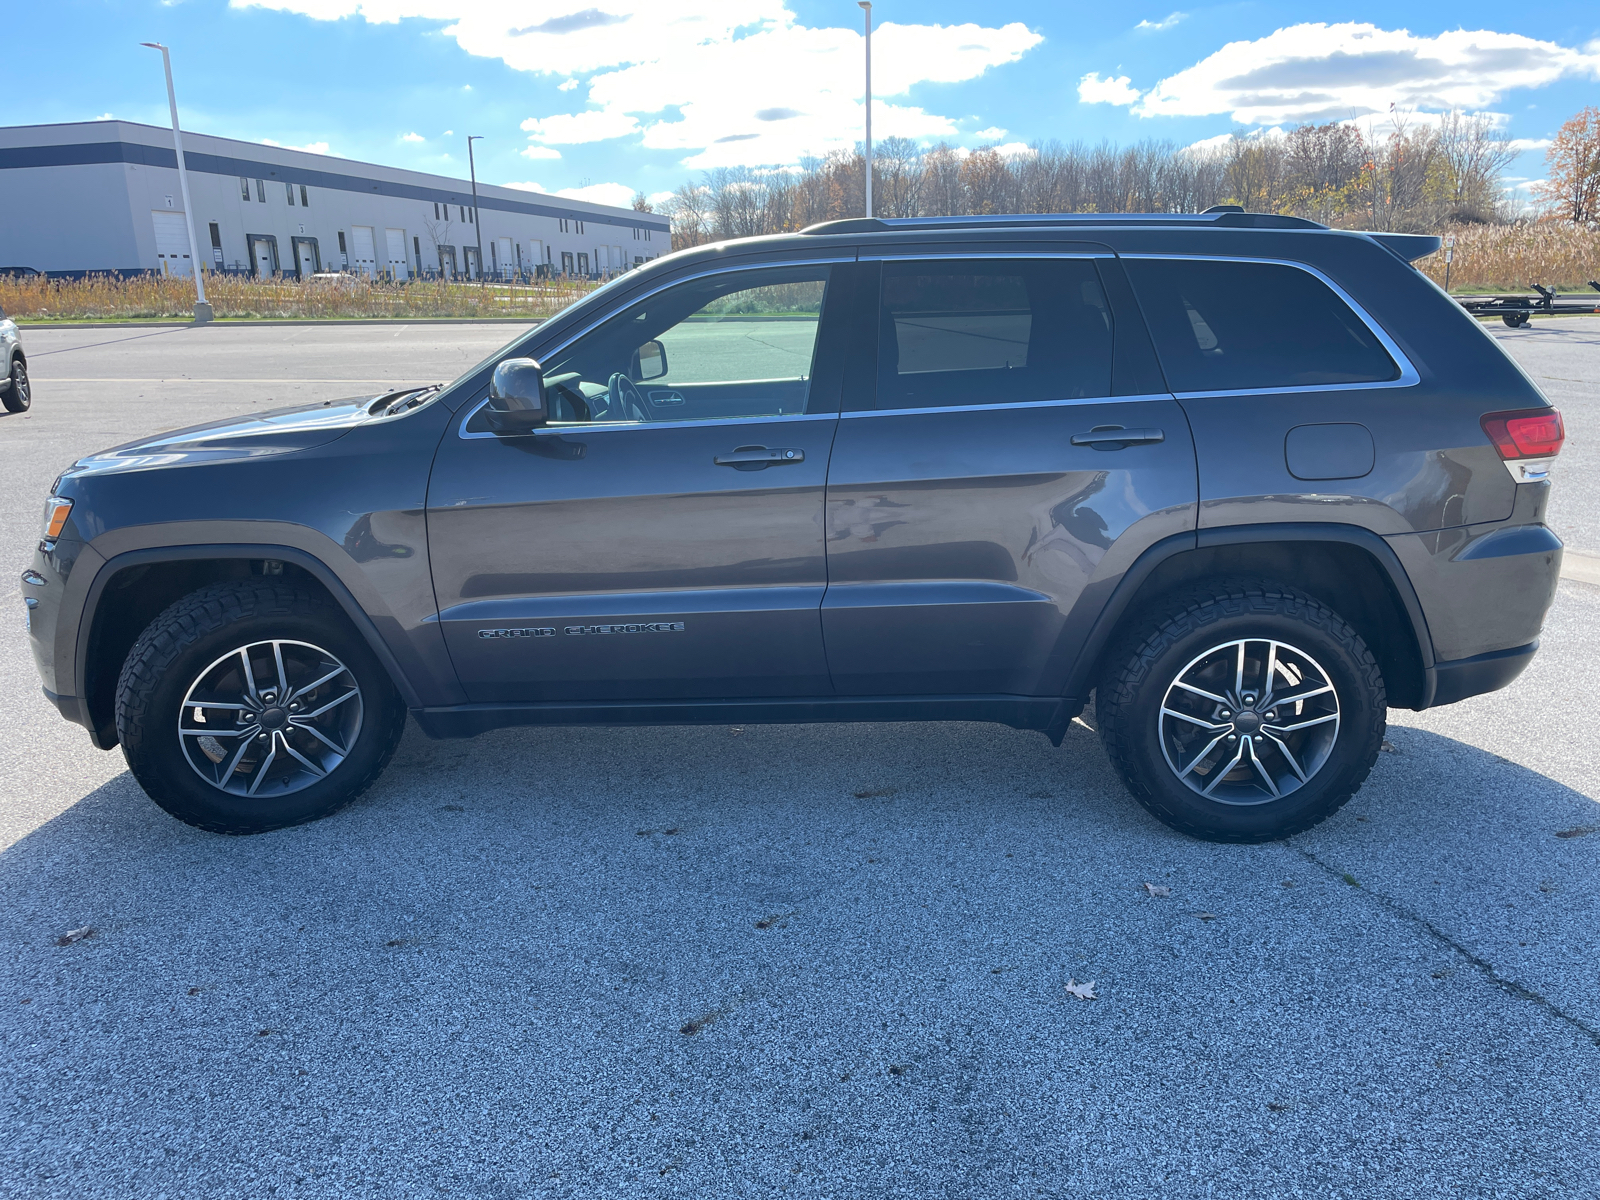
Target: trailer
(1515, 310)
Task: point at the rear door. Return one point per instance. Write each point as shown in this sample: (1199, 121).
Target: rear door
(639, 550)
(979, 483)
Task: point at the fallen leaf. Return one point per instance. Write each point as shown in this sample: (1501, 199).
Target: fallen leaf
(897, 1069)
(194, 991)
(262, 1032)
(1389, 747)
(1277, 1108)
(1577, 831)
(75, 935)
(1157, 890)
(1083, 991)
(1351, 880)
(690, 1028)
(395, 942)
(1206, 916)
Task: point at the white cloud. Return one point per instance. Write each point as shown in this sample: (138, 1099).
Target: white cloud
(1223, 139)
(541, 152)
(568, 86)
(1094, 90)
(657, 199)
(619, 195)
(1522, 144)
(104, 117)
(725, 81)
(566, 129)
(992, 134)
(1321, 72)
(412, 137)
(616, 194)
(309, 147)
(1015, 150)
(1166, 22)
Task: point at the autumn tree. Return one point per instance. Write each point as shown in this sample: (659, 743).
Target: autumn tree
(1572, 190)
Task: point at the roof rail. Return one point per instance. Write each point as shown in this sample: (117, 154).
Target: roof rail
(1222, 216)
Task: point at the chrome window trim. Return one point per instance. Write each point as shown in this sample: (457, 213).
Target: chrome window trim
(721, 269)
(587, 427)
(974, 254)
(1409, 376)
(1010, 404)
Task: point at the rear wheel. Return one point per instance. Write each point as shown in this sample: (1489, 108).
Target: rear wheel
(19, 392)
(249, 706)
(1248, 712)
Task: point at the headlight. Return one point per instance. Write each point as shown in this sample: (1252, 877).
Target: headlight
(56, 510)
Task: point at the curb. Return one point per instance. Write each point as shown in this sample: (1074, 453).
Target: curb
(1579, 567)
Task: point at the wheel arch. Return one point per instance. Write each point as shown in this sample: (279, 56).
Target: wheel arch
(1351, 569)
(140, 584)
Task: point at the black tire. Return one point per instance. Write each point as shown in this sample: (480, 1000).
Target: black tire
(209, 627)
(1138, 729)
(19, 392)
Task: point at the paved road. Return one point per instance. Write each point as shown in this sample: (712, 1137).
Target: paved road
(790, 960)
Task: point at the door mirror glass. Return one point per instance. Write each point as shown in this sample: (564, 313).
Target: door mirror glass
(517, 400)
(650, 362)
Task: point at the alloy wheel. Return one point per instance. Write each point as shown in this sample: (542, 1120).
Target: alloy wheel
(270, 718)
(1249, 721)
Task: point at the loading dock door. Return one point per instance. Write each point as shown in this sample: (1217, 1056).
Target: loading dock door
(305, 257)
(363, 254)
(172, 242)
(263, 257)
(505, 257)
(395, 241)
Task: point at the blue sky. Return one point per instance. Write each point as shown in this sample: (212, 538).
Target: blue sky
(603, 97)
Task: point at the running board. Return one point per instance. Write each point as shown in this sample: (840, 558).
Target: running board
(1047, 714)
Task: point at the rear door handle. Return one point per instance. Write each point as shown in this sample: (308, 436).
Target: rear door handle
(1115, 437)
(755, 458)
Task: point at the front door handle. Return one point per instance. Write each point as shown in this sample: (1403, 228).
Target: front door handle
(1115, 437)
(758, 458)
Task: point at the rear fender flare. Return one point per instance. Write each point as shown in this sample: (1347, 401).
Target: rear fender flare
(1081, 681)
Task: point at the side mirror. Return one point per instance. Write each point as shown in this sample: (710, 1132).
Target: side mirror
(650, 362)
(517, 400)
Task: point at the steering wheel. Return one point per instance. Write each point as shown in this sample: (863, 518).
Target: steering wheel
(625, 398)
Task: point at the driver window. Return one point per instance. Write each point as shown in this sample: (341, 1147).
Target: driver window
(737, 344)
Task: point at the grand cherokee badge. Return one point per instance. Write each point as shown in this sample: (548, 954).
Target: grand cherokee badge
(645, 627)
(516, 633)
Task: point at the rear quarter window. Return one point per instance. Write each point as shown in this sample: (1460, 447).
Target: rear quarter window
(1234, 326)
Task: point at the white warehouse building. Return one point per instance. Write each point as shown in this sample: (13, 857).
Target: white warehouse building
(100, 196)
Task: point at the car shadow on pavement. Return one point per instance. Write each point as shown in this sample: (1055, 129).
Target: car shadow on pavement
(634, 954)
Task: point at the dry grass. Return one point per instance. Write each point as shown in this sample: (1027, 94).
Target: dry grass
(105, 297)
(1493, 258)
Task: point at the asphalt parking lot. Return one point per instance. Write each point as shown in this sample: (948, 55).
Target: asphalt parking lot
(786, 960)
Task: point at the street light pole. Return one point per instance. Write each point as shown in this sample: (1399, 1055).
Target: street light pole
(866, 5)
(477, 222)
(202, 309)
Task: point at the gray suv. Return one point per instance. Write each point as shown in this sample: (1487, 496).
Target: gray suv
(16, 393)
(1246, 481)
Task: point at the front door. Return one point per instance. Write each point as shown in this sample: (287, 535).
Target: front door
(979, 486)
(662, 537)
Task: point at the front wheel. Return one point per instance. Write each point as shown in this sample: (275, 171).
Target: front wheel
(19, 392)
(250, 706)
(1250, 712)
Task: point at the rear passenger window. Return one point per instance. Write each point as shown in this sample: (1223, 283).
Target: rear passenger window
(1231, 326)
(992, 332)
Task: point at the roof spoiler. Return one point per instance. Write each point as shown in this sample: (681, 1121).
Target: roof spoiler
(1408, 246)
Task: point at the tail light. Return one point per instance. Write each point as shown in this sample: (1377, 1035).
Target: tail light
(1528, 439)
